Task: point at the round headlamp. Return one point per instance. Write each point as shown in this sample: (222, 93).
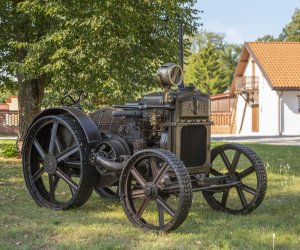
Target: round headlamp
(169, 75)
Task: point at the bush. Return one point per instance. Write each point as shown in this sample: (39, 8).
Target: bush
(10, 151)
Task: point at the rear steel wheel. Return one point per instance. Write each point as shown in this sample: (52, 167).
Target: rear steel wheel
(56, 163)
(237, 163)
(155, 190)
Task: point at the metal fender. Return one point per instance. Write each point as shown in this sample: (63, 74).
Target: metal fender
(90, 129)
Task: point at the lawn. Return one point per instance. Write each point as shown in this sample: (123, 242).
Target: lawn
(102, 224)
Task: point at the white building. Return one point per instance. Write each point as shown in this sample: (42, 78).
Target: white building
(267, 88)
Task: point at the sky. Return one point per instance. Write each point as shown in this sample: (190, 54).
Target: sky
(246, 20)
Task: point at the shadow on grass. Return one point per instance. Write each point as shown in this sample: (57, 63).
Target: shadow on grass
(102, 224)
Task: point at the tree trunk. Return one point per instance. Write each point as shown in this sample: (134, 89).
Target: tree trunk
(31, 93)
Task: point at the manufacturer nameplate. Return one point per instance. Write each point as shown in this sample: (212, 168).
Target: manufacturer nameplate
(194, 108)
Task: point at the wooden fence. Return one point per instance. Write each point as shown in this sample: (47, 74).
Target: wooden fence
(221, 123)
(9, 122)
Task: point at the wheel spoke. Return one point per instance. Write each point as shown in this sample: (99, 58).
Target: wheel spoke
(225, 197)
(140, 179)
(39, 148)
(67, 152)
(154, 167)
(38, 174)
(248, 189)
(53, 137)
(235, 161)
(73, 164)
(141, 210)
(161, 218)
(55, 182)
(73, 191)
(164, 204)
(161, 173)
(51, 186)
(138, 193)
(242, 196)
(225, 160)
(67, 179)
(215, 172)
(58, 145)
(247, 172)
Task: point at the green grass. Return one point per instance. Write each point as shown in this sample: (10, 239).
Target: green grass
(102, 224)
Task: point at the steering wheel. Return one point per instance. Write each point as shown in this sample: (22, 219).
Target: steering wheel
(74, 98)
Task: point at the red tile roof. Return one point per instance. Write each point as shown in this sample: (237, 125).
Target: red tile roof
(279, 61)
(4, 106)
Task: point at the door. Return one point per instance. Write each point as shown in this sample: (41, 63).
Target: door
(255, 118)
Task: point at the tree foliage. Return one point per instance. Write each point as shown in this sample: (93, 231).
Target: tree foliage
(291, 32)
(268, 38)
(212, 62)
(110, 48)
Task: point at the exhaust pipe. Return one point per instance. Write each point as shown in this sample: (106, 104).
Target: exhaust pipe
(180, 45)
(180, 52)
(100, 162)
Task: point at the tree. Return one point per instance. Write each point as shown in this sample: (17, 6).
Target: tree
(229, 60)
(111, 48)
(291, 32)
(5, 94)
(209, 74)
(212, 63)
(267, 38)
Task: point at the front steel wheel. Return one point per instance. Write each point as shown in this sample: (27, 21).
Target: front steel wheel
(56, 163)
(241, 164)
(155, 190)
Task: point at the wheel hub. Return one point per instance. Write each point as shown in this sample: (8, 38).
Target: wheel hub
(50, 163)
(150, 190)
(231, 178)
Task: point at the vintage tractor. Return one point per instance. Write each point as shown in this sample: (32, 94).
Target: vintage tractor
(150, 154)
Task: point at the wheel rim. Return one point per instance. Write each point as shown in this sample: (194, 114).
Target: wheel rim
(53, 163)
(151, 194)
(109, 192)
(237, 165)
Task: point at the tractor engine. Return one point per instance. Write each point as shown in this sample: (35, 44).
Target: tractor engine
(175, 120)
